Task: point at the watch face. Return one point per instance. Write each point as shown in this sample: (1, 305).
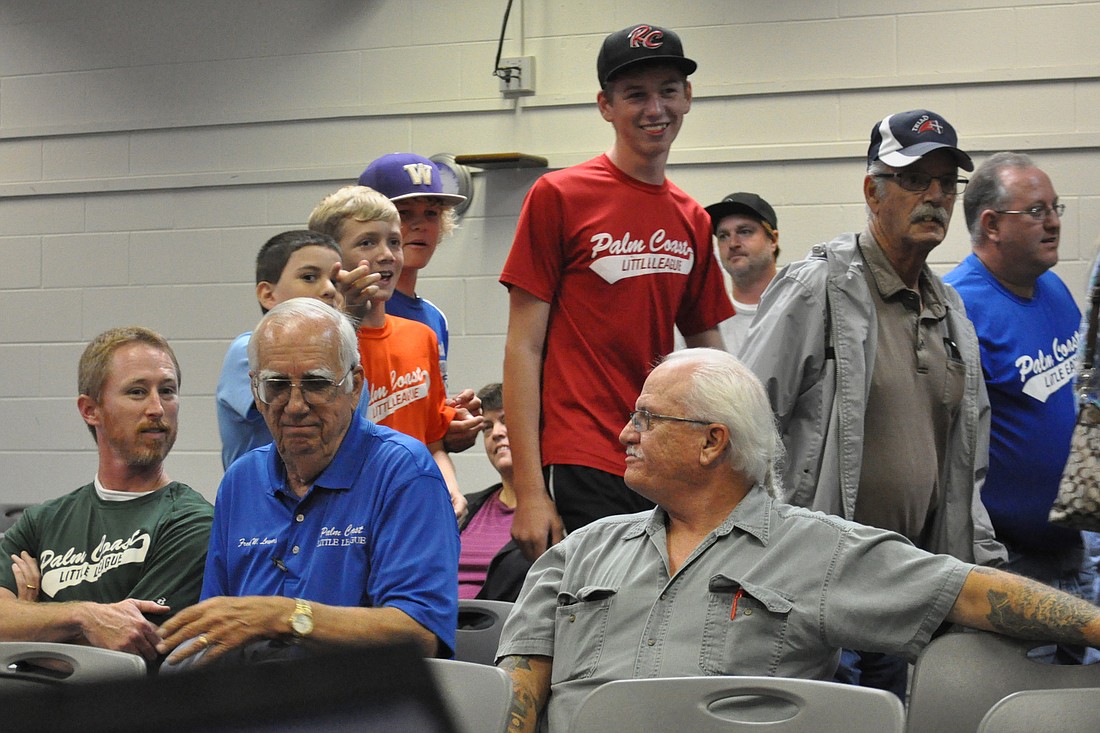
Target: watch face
(301, 623)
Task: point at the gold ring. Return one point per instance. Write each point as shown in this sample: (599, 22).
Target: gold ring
(31, 587)
(203, 641)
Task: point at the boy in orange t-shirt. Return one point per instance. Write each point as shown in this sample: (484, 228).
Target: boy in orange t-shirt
(404, 387)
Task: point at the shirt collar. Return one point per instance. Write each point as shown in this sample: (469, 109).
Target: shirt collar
(340, 473)
(889, 284)
(751, 515)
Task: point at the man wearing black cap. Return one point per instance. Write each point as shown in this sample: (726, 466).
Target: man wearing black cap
(608, 256)
(748, 244)
(872, 367)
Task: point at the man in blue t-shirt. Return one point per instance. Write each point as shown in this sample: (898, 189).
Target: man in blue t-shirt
(339, 533)
(1028, 329)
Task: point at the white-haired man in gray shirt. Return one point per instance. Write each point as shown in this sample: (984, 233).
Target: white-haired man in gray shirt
(721, 578)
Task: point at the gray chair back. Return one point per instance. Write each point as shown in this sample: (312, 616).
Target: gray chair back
(479, 626)
(33, 664)
(737, 705)
(1031, 711)
(477, 696)
(8, 514)
(959, 677)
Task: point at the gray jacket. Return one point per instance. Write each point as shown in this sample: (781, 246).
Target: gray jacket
(813, 343)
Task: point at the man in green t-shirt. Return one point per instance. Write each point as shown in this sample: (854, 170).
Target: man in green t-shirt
(107, 563)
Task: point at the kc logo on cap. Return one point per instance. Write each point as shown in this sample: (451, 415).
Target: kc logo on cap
(645, 36)
(642, 42)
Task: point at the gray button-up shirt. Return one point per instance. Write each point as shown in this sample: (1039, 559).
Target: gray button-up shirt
(774, 590)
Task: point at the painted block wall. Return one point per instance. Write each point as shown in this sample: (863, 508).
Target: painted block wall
(148, 148)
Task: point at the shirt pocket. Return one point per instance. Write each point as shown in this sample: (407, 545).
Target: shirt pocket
(580, 626)
(745, 627)
(954, 385)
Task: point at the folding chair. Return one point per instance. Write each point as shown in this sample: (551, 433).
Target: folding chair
(1030, 711)
(33, 664)
(736, 705)
(477, 696)
(959, 676)
(479, 626)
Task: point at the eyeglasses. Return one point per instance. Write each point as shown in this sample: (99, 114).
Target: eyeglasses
(1037, 212)
(315, 390)
(642, 420)
(917, 182)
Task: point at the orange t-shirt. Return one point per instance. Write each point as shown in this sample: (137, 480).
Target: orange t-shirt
(403, 383)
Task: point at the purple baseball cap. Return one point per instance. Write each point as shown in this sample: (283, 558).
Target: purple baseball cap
(400, 176)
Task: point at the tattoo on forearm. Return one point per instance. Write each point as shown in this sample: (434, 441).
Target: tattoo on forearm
(524, 702)
(1033, 611)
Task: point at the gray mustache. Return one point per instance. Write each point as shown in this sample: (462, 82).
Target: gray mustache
(924, 211)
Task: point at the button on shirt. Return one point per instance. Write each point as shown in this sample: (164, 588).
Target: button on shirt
(774, 590)
(916, 389)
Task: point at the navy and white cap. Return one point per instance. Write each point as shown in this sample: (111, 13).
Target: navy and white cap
(906, 137)
(400, 176)
(637, 44)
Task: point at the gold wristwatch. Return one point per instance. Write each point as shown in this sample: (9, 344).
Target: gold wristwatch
(301, 621)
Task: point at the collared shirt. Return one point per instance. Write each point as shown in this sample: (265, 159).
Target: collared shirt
(916, 390)
(774, 590)
(240, 424)
(376, 529)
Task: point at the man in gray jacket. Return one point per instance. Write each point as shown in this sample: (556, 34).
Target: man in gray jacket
(873, 369)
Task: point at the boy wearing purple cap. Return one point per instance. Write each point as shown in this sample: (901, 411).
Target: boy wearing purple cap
(608, 256)
(873, 370)
(415, 186)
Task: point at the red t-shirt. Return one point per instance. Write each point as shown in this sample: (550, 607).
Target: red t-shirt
(403, 383)
(619, 261)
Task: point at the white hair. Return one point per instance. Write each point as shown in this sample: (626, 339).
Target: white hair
(308, 309)
(725, 391)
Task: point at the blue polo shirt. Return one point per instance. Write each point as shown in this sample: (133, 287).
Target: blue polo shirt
(376, 529)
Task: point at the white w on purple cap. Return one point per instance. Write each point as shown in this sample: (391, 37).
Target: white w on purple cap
(400, 176)
(906, 137)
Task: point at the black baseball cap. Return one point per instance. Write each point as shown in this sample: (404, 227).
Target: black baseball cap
(742, 202)
(904, 138)
(637, 44)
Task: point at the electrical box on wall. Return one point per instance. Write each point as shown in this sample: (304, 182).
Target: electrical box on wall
(517, 76)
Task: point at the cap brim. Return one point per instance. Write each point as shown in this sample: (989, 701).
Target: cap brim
(448, 199)
(686, 65)
(913, 153)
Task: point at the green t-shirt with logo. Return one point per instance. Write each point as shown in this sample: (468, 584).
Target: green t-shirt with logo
(150, 548)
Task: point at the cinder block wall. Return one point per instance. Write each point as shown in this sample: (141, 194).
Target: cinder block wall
(148, 148)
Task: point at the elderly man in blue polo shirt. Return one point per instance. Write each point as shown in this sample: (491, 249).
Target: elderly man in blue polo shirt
(339, 533)
(721, 578)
